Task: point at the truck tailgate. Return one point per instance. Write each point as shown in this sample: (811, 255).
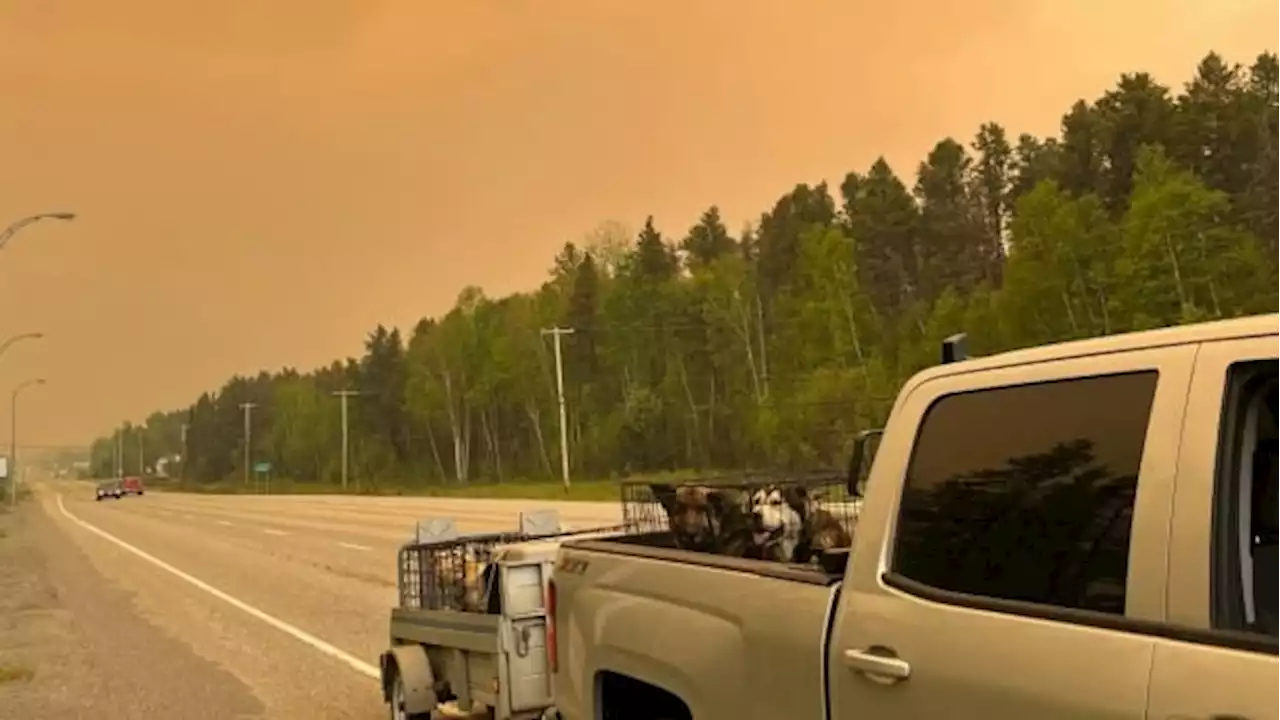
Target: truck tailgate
(730, 638)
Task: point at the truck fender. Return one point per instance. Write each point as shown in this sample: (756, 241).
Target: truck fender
(410, 663)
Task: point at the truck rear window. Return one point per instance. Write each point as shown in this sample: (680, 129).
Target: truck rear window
(1027, 492)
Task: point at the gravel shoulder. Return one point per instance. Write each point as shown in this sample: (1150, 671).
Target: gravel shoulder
(73, 643)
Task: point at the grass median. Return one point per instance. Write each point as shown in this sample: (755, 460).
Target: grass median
(583, 490)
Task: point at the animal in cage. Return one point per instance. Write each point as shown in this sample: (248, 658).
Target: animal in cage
(790, 522)
(777, 522)
(461, 574)
(473, 573)
(706, 519)
(821, 531)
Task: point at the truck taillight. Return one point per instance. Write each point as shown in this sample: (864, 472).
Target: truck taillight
(553, 650)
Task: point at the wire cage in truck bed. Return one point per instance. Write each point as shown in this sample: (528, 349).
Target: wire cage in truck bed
(781, 517)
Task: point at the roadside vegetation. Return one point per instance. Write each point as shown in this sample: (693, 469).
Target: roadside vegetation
(24, 494)
(586, 490)
(709, 348)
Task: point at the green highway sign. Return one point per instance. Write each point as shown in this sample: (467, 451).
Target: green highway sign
(262, 467)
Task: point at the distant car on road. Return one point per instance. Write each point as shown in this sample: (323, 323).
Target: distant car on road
(132, 486)
(110, 489)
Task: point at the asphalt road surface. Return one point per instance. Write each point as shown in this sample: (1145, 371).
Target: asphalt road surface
(243, 606)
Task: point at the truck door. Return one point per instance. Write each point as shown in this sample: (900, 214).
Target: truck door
(1219, 658)
(1012, 544)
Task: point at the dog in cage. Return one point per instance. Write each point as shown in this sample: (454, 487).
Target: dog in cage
(777, 524)
(790, 525)
(706, 519)
(822, 530)
(461, 574)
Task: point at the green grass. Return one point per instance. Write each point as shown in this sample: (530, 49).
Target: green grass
(585, 490)
(15, 673)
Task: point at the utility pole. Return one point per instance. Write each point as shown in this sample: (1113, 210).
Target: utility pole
(346, 439)
(556, 333)
(120, 453)
(247, 407)
(184, 450)
(142, 464)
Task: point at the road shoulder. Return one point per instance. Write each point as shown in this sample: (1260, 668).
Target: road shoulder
(73, 644)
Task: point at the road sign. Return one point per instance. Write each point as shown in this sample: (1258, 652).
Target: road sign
(4, 467)
(262, 467)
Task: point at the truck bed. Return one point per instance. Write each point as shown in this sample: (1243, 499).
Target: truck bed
(738, 636)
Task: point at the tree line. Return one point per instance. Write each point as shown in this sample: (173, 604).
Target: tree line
(771, 346)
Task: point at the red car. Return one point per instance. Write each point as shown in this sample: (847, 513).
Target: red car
(132, 486)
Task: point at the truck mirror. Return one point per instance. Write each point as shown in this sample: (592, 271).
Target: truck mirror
(858, 465)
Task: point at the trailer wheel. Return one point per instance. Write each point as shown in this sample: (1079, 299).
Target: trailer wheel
(397, 703)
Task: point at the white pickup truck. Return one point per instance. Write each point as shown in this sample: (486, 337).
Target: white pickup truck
(1084, 531)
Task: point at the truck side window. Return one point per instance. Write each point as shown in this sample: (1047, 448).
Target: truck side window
(1026, 492)
(1247, 497)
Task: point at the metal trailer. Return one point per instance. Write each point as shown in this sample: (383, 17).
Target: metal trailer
(469, 636)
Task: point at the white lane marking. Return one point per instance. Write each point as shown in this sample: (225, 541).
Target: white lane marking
(350, 660)
(352, 546)
(226, 523)
(273, 531)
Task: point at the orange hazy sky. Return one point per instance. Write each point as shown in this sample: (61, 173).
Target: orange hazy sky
(261, 183)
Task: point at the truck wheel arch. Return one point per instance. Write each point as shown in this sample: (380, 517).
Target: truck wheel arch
(410, 664)
(618, 694)
(615, 657)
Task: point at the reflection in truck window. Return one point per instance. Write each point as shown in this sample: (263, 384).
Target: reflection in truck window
(1026, 492)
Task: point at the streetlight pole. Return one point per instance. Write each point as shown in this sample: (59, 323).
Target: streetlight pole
(14, 227)
(13, 437)
(556, 333)
(247, 407)
(346, 439)
(142, 463)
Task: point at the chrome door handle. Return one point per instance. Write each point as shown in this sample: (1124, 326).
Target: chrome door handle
(879, 664)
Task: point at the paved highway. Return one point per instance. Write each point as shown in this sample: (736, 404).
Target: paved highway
(288, 595)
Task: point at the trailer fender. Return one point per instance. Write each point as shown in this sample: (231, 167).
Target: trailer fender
(410, 664)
